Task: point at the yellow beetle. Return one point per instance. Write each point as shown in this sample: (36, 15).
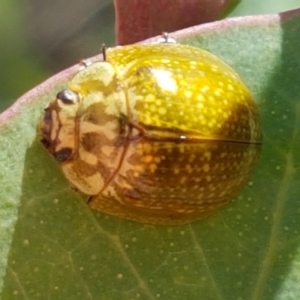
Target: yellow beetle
(159, 133)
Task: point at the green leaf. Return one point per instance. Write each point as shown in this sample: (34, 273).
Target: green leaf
(54, 247)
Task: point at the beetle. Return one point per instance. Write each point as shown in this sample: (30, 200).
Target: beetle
(160, 133)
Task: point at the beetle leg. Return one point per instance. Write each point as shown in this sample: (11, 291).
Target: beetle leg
(125, 122)
(166, 39)
(103, 50)
(140, 131)
(84, 63)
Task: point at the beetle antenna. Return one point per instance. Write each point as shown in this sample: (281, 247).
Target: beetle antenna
(104, 52)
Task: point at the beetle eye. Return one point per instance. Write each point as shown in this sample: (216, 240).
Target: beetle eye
(68, 97)
(63, 154)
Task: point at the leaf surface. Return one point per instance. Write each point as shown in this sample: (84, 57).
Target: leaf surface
(54, 247)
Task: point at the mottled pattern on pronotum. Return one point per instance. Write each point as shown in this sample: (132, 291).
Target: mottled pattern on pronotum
(161, 133)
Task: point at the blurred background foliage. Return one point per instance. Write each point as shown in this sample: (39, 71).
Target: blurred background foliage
(39, 38)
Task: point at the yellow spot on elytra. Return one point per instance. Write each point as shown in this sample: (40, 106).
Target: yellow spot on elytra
(149, 98)
(162, 111)
(207, 155)
(183, 180)
(157, 159)
(208, 178)
(204, 89)
(230, 87)
(200, 97)
(188, 94)
(223, 154)
(147, 147)
(176, 171)
(138, 168)
(189, 168)
(148, 158)
(153, 168)
(200, 105)
(206, 168)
